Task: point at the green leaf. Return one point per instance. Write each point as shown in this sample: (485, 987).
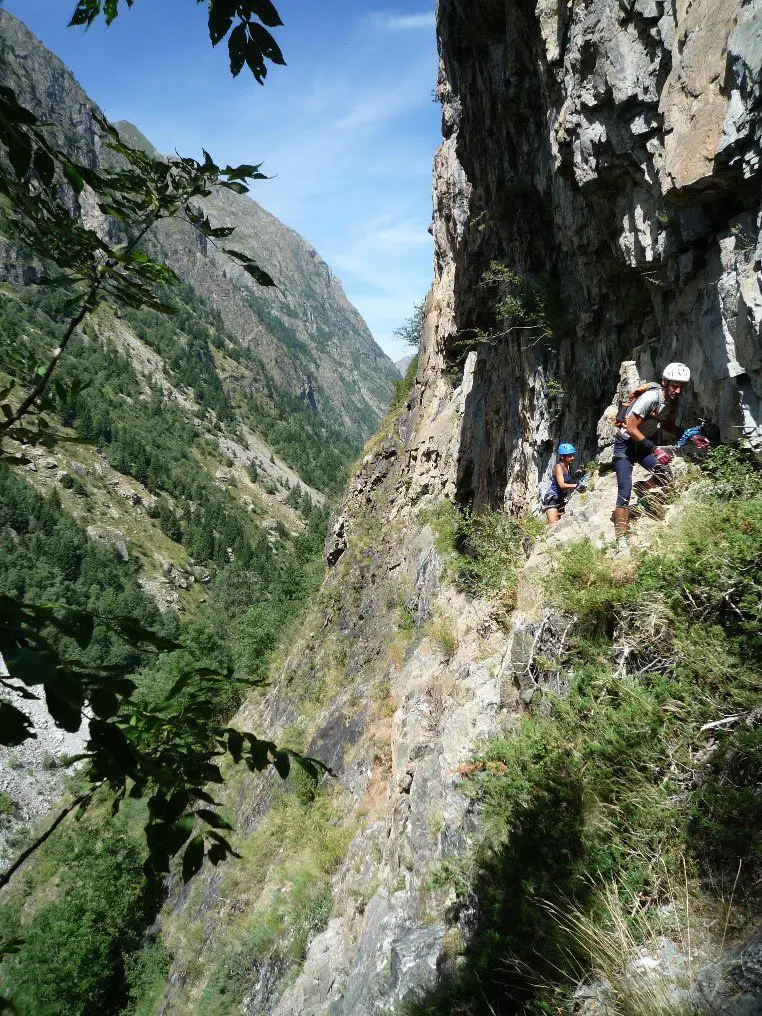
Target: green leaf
(15, 726)
(266, 13)
(258, 755)
(19, 152)
(282, 764)
(235, 744)
(244, 172)
(213, 819)
(85, 13)
(80, 624)
(220, 19)
(202, 795)
(237, 48)
(12, 111)
(176, 805)
(44, 167)
(114, 211)
(32, 666)
(165, 839)
(193, 857)
(212, 834)
(217, 853)
(258, 274)
(61, 709)
(265, 43)
(72, 174)
(256, 62)
(104, 702)
(212, 773)
(249, 266)
(134, 632)
(111, 10)
(183, 827)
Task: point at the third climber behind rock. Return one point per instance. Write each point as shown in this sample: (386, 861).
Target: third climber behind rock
(648, 416)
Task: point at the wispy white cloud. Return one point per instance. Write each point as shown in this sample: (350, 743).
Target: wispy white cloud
(373, 108)
(406, 22)
(399, 234)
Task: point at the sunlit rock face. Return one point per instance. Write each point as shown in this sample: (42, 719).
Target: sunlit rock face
(611, 151)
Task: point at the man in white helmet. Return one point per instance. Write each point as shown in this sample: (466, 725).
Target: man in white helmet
(640, 427)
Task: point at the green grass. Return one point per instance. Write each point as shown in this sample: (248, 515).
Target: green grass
(282, 886)
(612, 790)
(483, 553)
(8, 808)
(445, 636)
(386, 426)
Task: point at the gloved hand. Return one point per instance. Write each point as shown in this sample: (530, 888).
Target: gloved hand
(662, 456)
(700, 441)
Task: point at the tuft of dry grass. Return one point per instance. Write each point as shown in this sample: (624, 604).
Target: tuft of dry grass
(640, 961)
(445, 637)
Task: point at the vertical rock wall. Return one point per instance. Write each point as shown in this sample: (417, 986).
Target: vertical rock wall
(609, 151)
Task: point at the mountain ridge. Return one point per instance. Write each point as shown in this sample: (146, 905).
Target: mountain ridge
(351, 375)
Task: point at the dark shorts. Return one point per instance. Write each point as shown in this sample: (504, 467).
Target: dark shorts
(559, 503)
(626, 454)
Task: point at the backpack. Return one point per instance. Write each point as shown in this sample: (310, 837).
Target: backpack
(624, 407)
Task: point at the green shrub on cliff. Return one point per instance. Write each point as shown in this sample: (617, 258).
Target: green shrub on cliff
(76, 944)
(483, 552)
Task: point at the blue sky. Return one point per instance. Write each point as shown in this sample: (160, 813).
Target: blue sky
(348, 128)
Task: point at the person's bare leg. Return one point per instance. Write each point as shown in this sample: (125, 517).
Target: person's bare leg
(552, 516)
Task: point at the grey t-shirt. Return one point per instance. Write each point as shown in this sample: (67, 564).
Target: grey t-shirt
(653, 408)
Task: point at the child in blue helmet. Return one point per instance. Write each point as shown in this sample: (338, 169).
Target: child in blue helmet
(563, 483)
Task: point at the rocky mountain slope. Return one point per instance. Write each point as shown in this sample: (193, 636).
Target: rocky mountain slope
(308, 338)
(544, 758)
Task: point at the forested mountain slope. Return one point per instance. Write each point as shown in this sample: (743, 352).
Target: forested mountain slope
(188, 456)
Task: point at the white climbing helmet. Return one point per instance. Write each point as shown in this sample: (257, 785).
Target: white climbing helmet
(676, 372)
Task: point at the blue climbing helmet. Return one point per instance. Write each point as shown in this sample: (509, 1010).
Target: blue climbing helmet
(567, 449)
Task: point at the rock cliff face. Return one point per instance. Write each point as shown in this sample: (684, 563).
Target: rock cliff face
(611, 152)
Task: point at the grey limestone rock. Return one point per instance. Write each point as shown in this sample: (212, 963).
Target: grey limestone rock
(631, 178)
